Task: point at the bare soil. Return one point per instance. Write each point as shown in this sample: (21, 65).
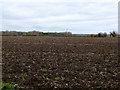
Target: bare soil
(61, 62)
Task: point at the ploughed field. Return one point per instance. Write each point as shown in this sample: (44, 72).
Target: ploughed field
(60, 62)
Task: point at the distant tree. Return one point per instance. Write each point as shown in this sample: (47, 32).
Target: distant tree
(34, 33)
(113, 34)
(67, 33)
(102, 34)
(19, 33)
(105, 34)
(93, 35)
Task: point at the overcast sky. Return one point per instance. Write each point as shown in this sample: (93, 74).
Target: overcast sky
(76, 16)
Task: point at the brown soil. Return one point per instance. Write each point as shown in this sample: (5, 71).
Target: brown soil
(61, 62)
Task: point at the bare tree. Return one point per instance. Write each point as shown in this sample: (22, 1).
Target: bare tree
(113, 34)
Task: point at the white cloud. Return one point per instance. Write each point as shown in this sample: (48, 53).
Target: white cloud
(60, 14)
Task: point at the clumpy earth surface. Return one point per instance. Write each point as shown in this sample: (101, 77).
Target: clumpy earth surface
(60, 62)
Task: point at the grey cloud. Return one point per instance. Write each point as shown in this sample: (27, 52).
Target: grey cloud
(57, 16)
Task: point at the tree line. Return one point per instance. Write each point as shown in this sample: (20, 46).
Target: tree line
(61, 34)
(35, 33)
(112, 34)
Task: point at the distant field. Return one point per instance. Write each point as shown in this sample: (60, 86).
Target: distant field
(61, 62)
